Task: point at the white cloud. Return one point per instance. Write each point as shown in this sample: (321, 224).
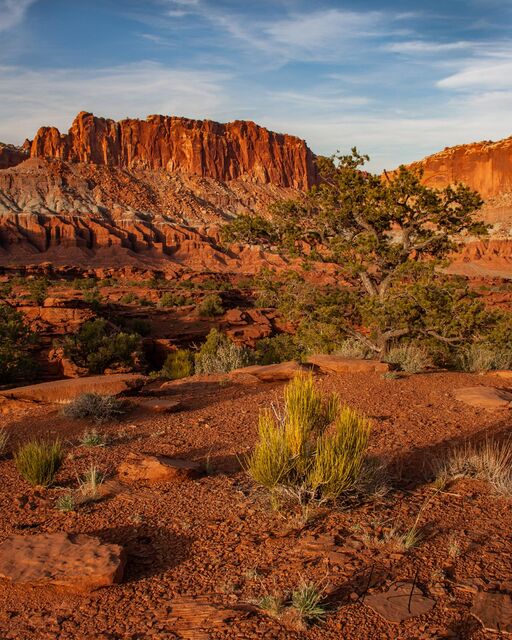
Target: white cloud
(419, 47)
(483, 73)
(54, 96)
(12, 12)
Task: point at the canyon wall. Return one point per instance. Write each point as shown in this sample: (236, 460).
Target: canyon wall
(237, 150)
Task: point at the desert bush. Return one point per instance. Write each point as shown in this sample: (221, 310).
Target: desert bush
(409, 357)
(98, 345)
(278, 348)
(16, 340)
(178, 364)
(39, 461)
(93, 297)
(352, 348)
(169, 299)
(4, 439)
(129, 298)
(84, 283)
(95, 407)
(219, 354)
(490, 461)
(484, 357)
(299, 455)
(38, 289)
(211, 306)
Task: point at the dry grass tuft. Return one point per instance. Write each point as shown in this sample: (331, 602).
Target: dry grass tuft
(4, 439)
(39, 461)
(490, 461)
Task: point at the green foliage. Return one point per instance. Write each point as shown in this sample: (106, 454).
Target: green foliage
(84, 283)
(353, 349)
(38, 289)
(93, 297)
(93, 438)
(98, 345)
(480, 356)
(211, 306)
(94, 406)
(388, 237)
(297, 453)
(307, 600)
(66, 503)
(279, 348)
(219, 354)
(39, 461)
(16, 340)
(129, 298)
(409, 358)
(178, 364)
(169, 299)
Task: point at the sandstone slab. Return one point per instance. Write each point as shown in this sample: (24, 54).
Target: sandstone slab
(402, 601)
(160, 405)
(155, 468)
(79, 563)
(270, 372)
(484, 397)
(494, 611)
(328, 362)
(62, 391)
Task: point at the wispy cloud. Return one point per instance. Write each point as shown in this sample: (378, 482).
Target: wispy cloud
(55, 96)
(12, 12)
(420, 47)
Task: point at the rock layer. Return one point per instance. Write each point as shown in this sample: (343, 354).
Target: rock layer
(199, 147)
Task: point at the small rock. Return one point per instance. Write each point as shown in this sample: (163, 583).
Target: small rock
(157, 469)
(397, 604)
(484, 397)
(79, 563)
(494, 611)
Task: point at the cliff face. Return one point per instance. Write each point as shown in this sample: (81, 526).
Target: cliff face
(484, 166)
(224, 152)
(10, 155)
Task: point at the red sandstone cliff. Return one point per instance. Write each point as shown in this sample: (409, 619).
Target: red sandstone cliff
(237, 150)
(10, 156)
(484, 166)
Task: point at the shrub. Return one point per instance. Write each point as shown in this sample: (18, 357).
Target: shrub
(484, 357)
(219, 354)
(409, 358)
(4, 439)
(92, 439)
(140, 326)
(296, 453)
(352, 348)
(211, 306)
(16, 340)
(278, 348)
(39, 461)
(169, 299)
(94, 406)
(129, 298)
(178, 364)
(38, 290)
(98, 345)
(84, 283)
(65, 502)
(93, 297)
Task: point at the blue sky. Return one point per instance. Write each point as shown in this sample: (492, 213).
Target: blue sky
(398, 79)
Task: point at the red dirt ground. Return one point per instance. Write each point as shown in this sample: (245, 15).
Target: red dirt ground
(218, 537)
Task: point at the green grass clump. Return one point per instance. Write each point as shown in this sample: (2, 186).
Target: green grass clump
(307, 600)
(66, 503)
(315, 450)
(39, 461)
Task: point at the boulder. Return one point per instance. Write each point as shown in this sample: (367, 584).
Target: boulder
(76, 562)
(402, 601)
(62, 391)
(484, 397)
(156, 468)
(338, 364)
(270, 372)
(494, 611)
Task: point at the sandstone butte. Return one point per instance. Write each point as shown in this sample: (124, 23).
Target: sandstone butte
(150, 194)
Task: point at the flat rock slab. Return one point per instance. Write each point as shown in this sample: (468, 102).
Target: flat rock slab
(348, 365)
(196, 617)
(80, 563)
(494, 611)
(151, 468)
(484, 397)
(62, 391)
(397, 604)
(504, 373)
(160, 405)
(270, 372)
